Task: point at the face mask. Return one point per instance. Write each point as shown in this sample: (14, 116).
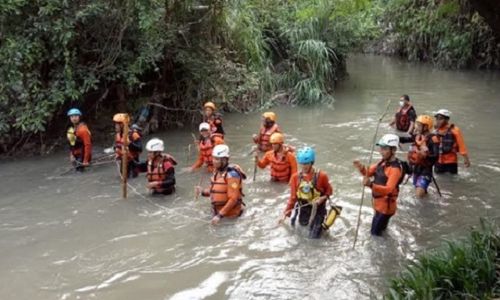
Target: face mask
(401, 103)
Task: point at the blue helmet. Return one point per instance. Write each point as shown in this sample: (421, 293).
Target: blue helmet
(306, 155)
(74, 112)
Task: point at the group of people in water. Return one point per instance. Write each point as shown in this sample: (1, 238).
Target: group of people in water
(434, 147)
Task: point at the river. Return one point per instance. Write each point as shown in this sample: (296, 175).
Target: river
(73, 237)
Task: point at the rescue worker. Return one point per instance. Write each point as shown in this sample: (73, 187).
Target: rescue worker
(281, 158)
(451, 142)
(213, 118)
(269, 126)
(423, 153)
(206, 143)
(79, 139)
(387, 176)
(226, 189)
(405, 117)
(134, 143)
(308, 188)
(159, 168)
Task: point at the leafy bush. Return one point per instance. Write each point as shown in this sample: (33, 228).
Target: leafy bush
(461, 270)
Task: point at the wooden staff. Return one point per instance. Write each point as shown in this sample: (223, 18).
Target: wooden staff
(125, 158)
(369, 162)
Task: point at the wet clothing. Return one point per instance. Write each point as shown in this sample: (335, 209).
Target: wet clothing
(404, 117)
(134, 145)
(205, 146)
(379, 223)
(300, 200)
(162, 171)
(385, 189)
(226, 192)
(263, 139)
(283, 164)
(446, 168)
(80, 144)
(215, 121)
(422, 181)
(385, 186)
(134, 151)
(451, 142)
(422, 156)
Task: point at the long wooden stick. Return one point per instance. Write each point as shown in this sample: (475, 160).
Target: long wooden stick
(125, 160)
(366, 175)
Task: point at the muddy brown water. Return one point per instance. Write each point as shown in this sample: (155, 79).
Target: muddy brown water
(73, 237)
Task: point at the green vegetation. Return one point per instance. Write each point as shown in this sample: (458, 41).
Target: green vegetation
(104, 56)
(99, 55)
(465, 269)
(447, 34)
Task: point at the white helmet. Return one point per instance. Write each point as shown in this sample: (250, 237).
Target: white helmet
(389, 140)
(204, 126)
(220, 151)
(155, 145)
(443, 112)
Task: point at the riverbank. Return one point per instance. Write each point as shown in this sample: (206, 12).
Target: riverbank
(467, 268)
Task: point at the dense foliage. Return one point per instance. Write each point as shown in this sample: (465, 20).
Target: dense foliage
(448, 33)
(98, 54)
(465, 269)
(108, 56)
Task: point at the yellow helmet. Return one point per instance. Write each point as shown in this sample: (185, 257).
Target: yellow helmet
(120, 118)
(269, 115)
(210, 105)
(277, 138)
(425, 120)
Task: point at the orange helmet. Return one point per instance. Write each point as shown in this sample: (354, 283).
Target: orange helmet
(120, 118)
(269, 115)
(210, 105)
(277, 138)
(425, 120)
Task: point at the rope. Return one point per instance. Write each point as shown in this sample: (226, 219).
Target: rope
(135, 191)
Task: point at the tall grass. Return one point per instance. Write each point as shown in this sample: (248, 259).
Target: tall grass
(465, 269)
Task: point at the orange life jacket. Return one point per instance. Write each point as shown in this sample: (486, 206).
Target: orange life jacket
(402, 118)
(413, 157)
(265, 136)
(387, 204)
(157, 169)
(416, 159)
(119, 141)
(218, 191)
(206, 146)
(280, 167)
(215, 122)
(78, 149)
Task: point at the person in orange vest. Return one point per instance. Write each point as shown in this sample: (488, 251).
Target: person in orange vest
(160, 168)
(405, 117)
(79, 139)
(226, 189)
(134, 143)
(423, 153)
(451, 142)
(281, 158)
(206, 143)
(269, 126)
(387, 175)
(212, 117)
(309, 187)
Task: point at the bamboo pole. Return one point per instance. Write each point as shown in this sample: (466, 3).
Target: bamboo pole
(125, 158)
(369, 163)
